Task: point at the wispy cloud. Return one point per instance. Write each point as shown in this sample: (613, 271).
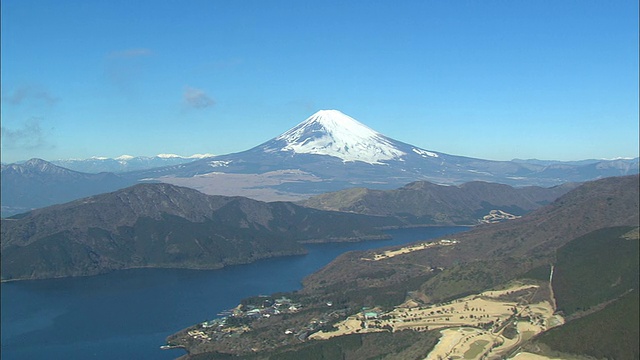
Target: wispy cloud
(35, 94)
(197, 99)
(30, 136)
(130, 53)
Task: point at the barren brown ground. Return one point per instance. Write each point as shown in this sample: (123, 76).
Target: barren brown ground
(254, 186)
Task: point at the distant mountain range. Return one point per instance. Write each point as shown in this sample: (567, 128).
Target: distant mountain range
(162, 225)
(329, 151)
(574, 162)
(38, 183)
(126, 162)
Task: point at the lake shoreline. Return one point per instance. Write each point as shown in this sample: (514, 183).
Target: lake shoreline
(217, 266)
(130, 313)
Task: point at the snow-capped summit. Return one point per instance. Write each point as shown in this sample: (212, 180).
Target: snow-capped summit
(330, 132)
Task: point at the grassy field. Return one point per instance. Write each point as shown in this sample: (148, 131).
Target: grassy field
(476, 349)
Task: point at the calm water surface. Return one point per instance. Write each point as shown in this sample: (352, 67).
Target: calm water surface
(128, 314)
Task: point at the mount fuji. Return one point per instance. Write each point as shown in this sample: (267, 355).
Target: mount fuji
(332, 151)
(332, 133)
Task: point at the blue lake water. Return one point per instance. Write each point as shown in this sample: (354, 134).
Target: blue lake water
(128, 314)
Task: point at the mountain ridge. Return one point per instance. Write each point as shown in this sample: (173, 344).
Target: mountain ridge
(534, 237)
(39, 183)
(162, 225)
(425, 203)
(123, 163)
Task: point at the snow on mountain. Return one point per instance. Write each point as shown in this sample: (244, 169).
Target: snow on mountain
(424, 153)
(174, 156)
(168, 156)
(33, 166)
(330, 132)
(199, 156)
(124, 163)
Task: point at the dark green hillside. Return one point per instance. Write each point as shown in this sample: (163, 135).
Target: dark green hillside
(611, 333)
(596, 284)
(171, 241)
(595, 268)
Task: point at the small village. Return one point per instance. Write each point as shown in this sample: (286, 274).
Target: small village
(237, 321)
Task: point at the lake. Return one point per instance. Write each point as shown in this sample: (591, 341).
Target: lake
(128, 314)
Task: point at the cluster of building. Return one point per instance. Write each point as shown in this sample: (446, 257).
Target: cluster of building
(198, 334)
(317, 324)
(236, 320)
(496, 216)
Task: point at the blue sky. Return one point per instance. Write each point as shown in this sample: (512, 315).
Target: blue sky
(486, 79)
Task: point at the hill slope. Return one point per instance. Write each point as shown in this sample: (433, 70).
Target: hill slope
(596, 284)
(501, 250)
(595, 268)
(426, 203)
(485, 257)
(161, 225)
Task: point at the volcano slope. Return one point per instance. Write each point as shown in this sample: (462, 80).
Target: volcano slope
(487, 257)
